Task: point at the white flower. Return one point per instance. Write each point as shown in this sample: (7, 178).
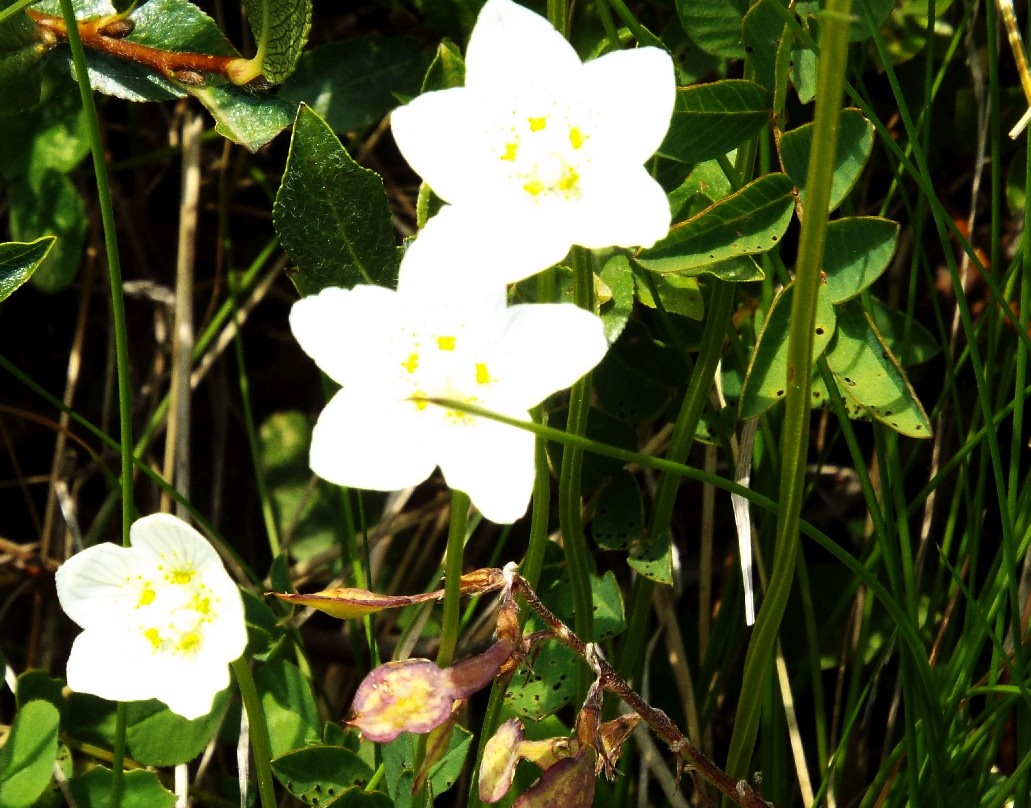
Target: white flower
(540, 151)
(432, 338)
(162, 618)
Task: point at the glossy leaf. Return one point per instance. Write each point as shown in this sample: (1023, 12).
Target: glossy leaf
(47, 204)
(280, 29)
(704, 185)
(855, 141)
(286, 698)
(857, 251)
(653, 559)
(446, 70)
(242, 115)
(766, 379)
(714, 25)
(19, 260)
(353, 84)
(761, 32)
(615, 295)
(141, 789)
(870, 376)
(331, 213)
(748, 222)
(319, 774)
(27, 756)
(712, 119)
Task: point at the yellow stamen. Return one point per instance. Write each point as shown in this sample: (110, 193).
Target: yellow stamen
(534, 187)
(536, 124)
(189, 642)
(482, 374)
(146, 597)
(576, 137)
(181, 576)
(510, 151)
(411, 363)
(154, 637)
(446, 343)
(569, 180)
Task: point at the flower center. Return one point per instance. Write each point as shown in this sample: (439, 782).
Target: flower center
(172, 610)
(543, 155)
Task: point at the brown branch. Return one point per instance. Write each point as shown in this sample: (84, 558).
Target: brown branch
(104, 35)
(737, 790)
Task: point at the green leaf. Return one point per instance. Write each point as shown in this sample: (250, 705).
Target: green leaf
(862, 14)
(446, 70)
(766, 379)
(280, 29)
(748, 222)
(318, 774)
(47, 204)
(704, 185)
(27, 758)
(618, 513)
(21, 52)
(679, 294)
(51, 135)
(36, 685)
(141, 789)
(242, 115)
(910, 341)
(870, 376)
(615, 295)
(855, 141)
(446, 771)
(353, 84)
(761, 31)
(857, 251)
(543, 690)
(653, 559)
(331, 213)
(714, 25)
(19, 260)
(158, 737)
(710, 120)
(286, 698)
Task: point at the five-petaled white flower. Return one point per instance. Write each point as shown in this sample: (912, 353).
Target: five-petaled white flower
(434, 339)
(539, 151)
(162, 618)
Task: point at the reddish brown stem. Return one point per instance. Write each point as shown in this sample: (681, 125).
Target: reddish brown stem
(737, 790)
(104, 37)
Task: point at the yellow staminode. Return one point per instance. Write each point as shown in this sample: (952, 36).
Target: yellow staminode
(537, 124)
(446, 343)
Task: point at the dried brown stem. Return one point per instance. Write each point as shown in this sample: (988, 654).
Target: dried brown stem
(101, 36)
(738, 791)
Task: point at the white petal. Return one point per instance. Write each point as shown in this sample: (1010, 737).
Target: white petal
(631, 94)
(365, 442)
(441, 135)
(340, 328)
(113, 665)
(511, 47)
(189, 687)
(99, 585)
(493, 464)
(545, 348)
(164, 538)
(626, 208)
(462, 247)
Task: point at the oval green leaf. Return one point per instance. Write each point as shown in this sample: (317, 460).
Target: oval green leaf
(331, 213)
(141, 789)
(710, 120)
(18, 260)
(242, 115)
(280, 30)
(857, 251)
(714, 25)
(871, 377)
(27, 757)
(855, 141)
(158, 737)
(748, 222)
(766, 379)
(318, 774)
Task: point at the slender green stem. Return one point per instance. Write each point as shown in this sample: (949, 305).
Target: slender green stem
(834, 28)
(557, 15)
(574, 542)
(14, 9)
(452, 577)
(114, 269)
(259, 731)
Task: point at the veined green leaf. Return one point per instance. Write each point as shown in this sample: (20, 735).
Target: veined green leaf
(27, 757)
(19, 260)
(748, 222)
(141, 789)
(280, 29)
(766, 379)
(242, 115)
(714, 25)
(319, 772)
(870, 377)
(761, 31)
(712, 119)
(331, 213)
(855, 141)
(857, 251)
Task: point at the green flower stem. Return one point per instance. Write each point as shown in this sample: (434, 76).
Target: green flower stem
(13, 9)
(721, 306)
(570, 523)
(114, 269)
(452, 577)
(534, 560)
(259, 731)
(834, 28)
